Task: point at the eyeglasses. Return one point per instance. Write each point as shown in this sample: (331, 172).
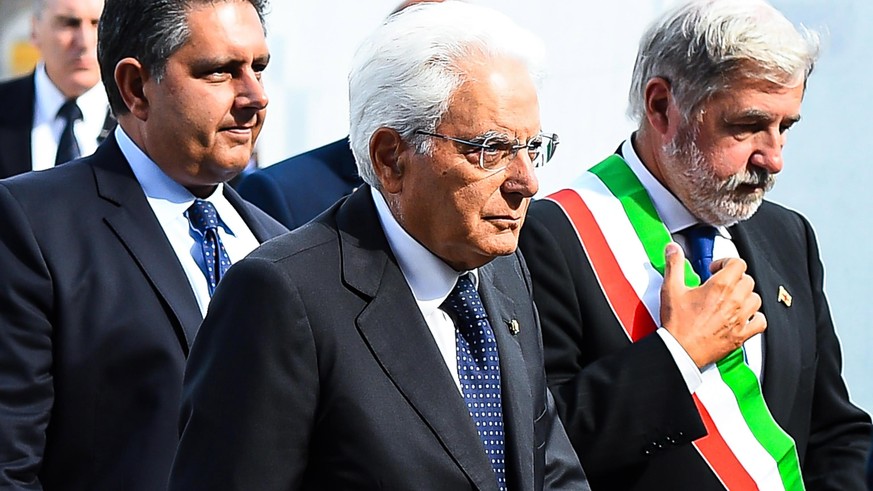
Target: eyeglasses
(497, 151)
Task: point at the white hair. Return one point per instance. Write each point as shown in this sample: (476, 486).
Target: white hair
(405, 74)
(703, 46)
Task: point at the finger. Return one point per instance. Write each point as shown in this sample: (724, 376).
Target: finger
(674, 267)
(757, 324)
(729, 265)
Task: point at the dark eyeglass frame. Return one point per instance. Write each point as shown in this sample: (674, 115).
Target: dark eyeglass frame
(546, 150)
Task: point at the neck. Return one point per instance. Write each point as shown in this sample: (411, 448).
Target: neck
(649, 149)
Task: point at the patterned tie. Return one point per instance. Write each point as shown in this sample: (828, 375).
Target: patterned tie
(479, 370)
(700, 241)
(68, 147)
(204, 219)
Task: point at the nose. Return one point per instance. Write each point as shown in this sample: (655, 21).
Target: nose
(251, 91)
(520, 176)
(768, 155)
(85, 37)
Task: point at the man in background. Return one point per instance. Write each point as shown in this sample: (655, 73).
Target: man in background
(60, 111)
(109, 261)
(663, 384)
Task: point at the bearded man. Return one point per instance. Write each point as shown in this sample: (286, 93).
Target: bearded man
(724, 373)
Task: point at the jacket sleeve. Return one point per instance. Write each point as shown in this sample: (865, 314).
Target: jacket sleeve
(251, 387)
(839, 439)
(26, 337)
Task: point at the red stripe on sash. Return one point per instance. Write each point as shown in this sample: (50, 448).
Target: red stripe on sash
(626, 304)
(720, 457)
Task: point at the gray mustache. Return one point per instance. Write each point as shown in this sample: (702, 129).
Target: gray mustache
(756, 177)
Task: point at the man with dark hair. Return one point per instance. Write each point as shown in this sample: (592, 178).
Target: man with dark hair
(59, 112)
(663, 371)
(109, 262)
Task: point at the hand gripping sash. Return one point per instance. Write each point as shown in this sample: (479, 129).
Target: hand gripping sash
(624, 240)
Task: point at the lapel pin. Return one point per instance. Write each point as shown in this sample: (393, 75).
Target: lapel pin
(784, 296)
(513, 327)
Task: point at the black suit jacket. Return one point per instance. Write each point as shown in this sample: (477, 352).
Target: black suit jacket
(295, 190)
(96, 320)
(314, 369)
(17, 98)
(626, 407)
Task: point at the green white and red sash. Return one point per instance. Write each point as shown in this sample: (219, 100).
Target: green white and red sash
(624, 239)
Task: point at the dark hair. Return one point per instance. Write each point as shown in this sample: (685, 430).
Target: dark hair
(149, 31)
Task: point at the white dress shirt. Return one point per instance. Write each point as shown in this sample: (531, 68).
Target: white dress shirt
(47, 126)
(677, 218)
(169, 200)
(430, 279)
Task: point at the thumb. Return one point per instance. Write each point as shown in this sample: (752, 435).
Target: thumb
(674, 267)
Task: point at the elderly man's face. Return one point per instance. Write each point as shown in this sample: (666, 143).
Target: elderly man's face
(204, 116)
(65, 32)
(721, 165)
(460, 212)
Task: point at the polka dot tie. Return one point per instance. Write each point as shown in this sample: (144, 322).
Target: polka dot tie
(68, 147)
(479, 370)
(204, 220)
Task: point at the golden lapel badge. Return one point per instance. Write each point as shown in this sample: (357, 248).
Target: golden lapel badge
(784, 296)
(513, 327)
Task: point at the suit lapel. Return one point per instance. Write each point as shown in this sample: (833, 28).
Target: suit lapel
(245, 211)
(136, 226)
(16, 123)
(393, 328)
(781, 368)
(515, 384)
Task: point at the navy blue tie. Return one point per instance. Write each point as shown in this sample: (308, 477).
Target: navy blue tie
(204, 220)
(479, 370)
(68, 147)
(700, 241)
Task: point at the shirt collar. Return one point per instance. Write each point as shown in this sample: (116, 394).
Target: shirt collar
(671, 211)
(429, 277)
(160, 187)
(49, 99)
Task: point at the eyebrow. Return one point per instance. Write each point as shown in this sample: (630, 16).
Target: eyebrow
(758, 115)
(68, 19)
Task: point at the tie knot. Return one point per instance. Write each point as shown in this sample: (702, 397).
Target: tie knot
(70, 111)
(701, 233)
(464, 302)
(203, 216)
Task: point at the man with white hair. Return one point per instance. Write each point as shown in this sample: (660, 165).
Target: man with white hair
(661, 383)
(392, 342)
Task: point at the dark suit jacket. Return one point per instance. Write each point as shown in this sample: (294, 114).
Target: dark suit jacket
(295, 190)
(96, 320)
(17, 98)
(626, 407)
(314, 369)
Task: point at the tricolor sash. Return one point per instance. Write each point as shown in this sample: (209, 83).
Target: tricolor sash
(624, 240)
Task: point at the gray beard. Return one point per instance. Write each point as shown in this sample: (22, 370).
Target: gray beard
(714, 201)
